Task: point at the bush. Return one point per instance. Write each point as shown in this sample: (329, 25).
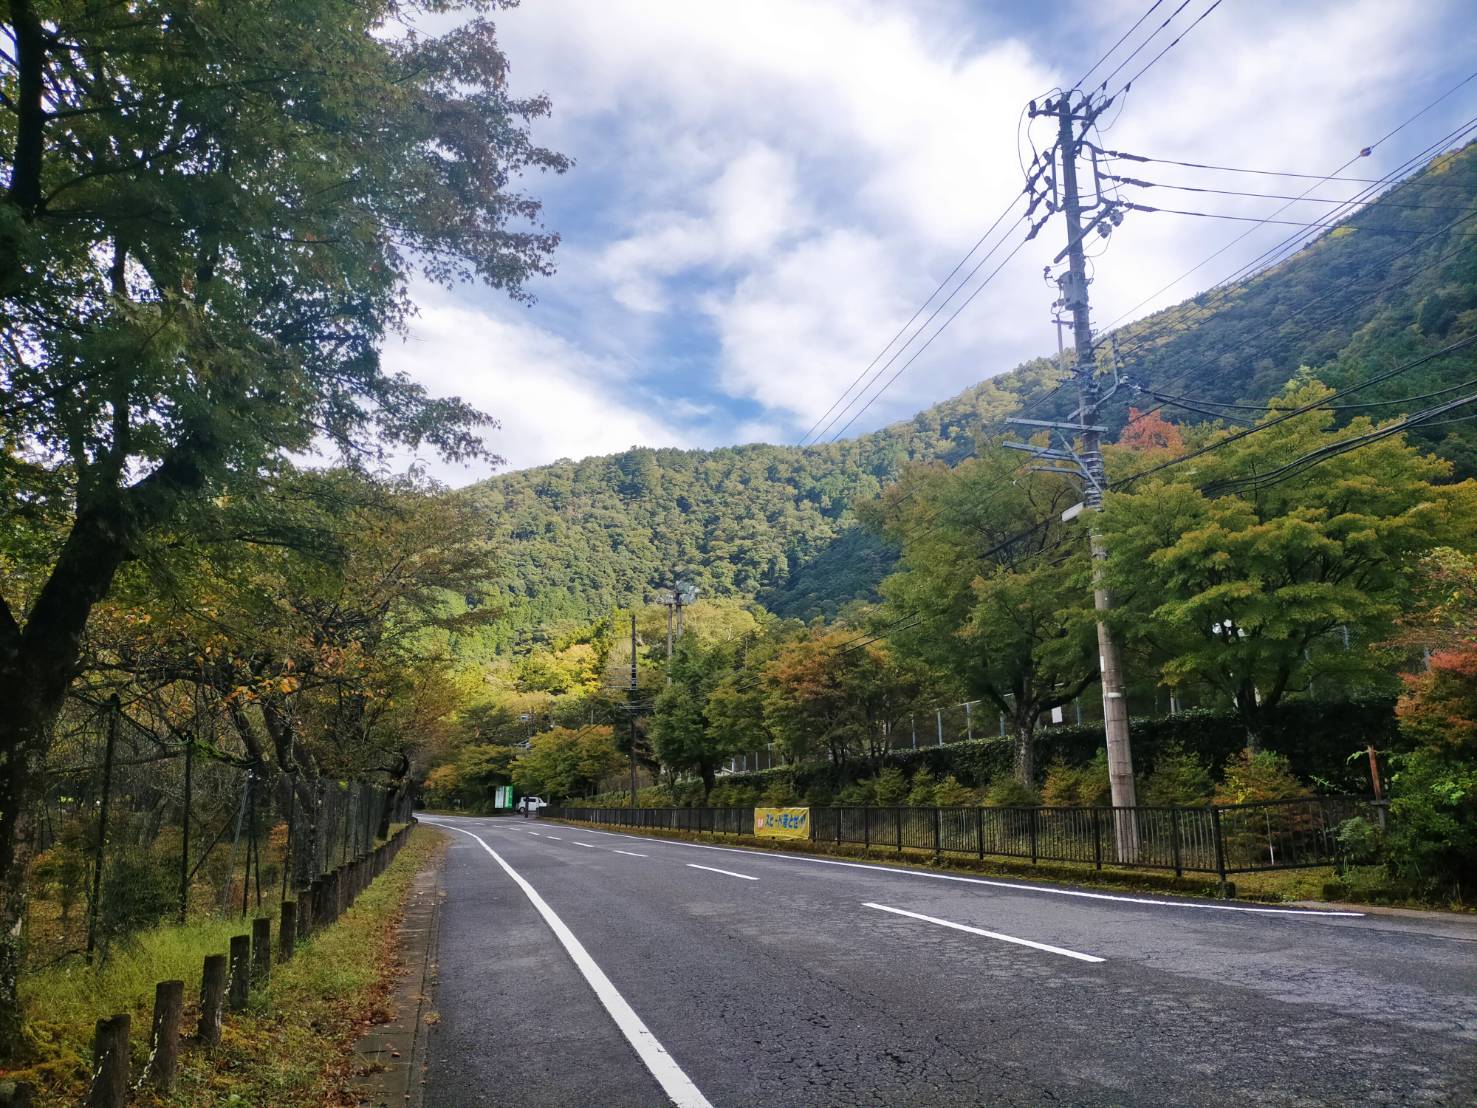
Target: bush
(949, 793)
(138, 891)
(889, 787)
(1077, 786)
(819, 796)
(1180, 777)
(1360, 843)
(1264, 775)
(1433, 823)
(859, 794)
(780, 793)
(921, 794)
(1010, 793)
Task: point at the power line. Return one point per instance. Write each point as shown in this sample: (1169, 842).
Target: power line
(942, 284)
(1384, 201)
(1153, 61)
(1138, 49)
(1121, 40)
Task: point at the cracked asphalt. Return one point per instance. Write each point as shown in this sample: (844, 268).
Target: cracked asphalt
(791, 990)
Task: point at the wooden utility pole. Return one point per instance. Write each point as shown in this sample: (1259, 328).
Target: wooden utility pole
(1085, 459)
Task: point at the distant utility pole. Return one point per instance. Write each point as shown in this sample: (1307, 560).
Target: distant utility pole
(1086, 462)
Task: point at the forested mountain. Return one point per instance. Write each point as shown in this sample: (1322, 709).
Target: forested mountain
(1396, 281)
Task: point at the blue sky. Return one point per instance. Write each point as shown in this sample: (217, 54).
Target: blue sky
(764, 192)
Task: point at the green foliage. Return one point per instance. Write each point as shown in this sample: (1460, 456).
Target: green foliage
(565, 763)
(1250, 591)
(889, 787)
(1069, 786)
(922, 792)
(1252, 776)
(140, 888)
(858, 794)
(1360, 843)
(1433, 822)
(949, 793)
(1180, 778)
(780, 793)
(1010, 793)
(1003, 620)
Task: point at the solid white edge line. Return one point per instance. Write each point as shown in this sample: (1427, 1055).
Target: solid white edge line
(653, 1055)
(988, 934)
(725, 872)
(1305, 913)
(630, 853)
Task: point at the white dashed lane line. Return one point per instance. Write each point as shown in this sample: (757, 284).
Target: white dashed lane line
(1063, 951)
(725, 872)
(631, 854)
(587, 846)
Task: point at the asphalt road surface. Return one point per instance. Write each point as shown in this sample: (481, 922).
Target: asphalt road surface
(580, 967)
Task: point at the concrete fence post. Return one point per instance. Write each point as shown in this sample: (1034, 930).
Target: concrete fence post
(169, 1004)
(212, 999)
(261, 949)
(240, 985)
(109, 1088)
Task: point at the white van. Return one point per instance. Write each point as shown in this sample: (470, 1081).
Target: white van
(530, 805)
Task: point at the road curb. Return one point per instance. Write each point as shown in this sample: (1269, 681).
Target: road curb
(394, 1053)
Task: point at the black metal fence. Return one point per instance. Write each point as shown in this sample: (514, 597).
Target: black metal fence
(1220, 839)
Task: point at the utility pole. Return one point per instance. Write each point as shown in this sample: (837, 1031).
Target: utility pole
(1088, 456)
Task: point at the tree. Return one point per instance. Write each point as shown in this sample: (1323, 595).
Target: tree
(992, 587)
(1246, 586)
(1150, 433)
(840, 693)
(682, 735)
(565, 762)
(208, 224)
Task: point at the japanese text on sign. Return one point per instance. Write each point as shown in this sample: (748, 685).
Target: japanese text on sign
(782, 823)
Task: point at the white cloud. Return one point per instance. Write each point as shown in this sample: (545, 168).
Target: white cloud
(789, 179)
(551, 399)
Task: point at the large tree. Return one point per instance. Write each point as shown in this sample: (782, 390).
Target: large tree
(992, 587)
(210, 214)
(1246, 572)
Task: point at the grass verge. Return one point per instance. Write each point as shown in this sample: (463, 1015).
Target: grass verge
(1273, 887)
(293, 1044)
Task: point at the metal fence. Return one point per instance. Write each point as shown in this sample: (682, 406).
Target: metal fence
(133, 828)
(1219, 839)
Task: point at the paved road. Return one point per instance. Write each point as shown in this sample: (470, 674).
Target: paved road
(586, 968)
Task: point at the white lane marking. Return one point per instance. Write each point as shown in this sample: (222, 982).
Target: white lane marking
(556, 838)
(988, 934)
(587, 846)
(725, 872)
(535, 833)
(662, 1065)
(1314, 913)
(630, 853)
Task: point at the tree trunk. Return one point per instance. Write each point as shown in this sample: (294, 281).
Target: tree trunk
(1025, 752)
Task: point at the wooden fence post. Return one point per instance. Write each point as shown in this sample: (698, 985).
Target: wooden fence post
(169, 1003)
(240, 973)
(212, 999)
(261, 948)
(287, 931)
(109, 1087)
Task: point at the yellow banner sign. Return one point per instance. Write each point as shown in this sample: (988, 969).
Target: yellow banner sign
(782, 823)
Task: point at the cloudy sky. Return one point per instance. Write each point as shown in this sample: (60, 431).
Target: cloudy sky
(764, 192)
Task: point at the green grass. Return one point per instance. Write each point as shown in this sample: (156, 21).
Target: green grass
(291, 1047)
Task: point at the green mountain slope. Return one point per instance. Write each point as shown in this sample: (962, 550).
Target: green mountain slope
(773, 522)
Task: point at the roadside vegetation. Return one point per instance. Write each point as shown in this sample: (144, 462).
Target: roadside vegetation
(293, 1045)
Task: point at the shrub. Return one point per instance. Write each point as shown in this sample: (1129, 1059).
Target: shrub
(1077, 786)
(858, 794)
(1433, 823)
(139, 890)
(1251, 777)
(780, 794)
(819, 796)
(1360, 843)
(1007, 792)
(1179, 777)
(921, 794)
(949, 793)
(889, 787)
